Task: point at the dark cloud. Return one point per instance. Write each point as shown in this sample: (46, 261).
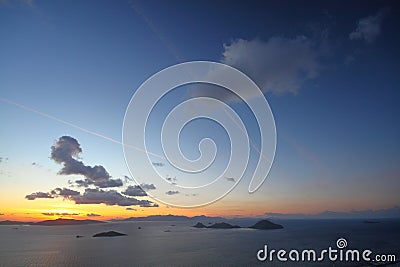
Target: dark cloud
(109, 183)
(134, 191)
(130, 209)
(64, 192)
(110, 198)
(36, 195)
(278, 65)
(230, 179)
(66, 151)
(59, 214)
(158, 164)
(93, 215)
(172, 192)
(171, 179)
(369, 28)
(147, 186)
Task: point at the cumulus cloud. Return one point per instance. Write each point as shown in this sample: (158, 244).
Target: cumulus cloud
(134, 191)
(36, 195)
(278, 65)
(110, 198)
(93, 215)
(66, 151)
(172, 192)
(369, 28)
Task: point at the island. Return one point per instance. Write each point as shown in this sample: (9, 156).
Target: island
(266, 225)
(223, 225)
(109, 234)
(261, 225)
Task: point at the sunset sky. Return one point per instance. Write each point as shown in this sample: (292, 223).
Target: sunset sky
(68, 69)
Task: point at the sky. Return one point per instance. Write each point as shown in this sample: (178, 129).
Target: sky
(329, 71)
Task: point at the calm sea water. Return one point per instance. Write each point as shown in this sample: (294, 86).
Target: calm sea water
(179, 244)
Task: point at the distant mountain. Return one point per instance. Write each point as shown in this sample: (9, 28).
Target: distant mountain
(199, 225)
(7, 222)
(170, 217)
(60, 221)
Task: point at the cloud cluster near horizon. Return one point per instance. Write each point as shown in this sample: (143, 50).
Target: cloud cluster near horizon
(66, 151)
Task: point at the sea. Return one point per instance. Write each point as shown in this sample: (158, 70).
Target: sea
(177, 243)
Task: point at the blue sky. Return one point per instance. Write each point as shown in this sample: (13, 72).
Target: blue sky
(329, 70)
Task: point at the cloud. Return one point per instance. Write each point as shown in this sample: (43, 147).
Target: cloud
(93, 215)
(130, 209)
(134, 191)
(172, 192)
(158, 164)
(230, 179)
(147, 186)
(278, 65)
(64, 192)
(36, 195)
(61, 214)
(110, 198)
(1, 214)
(66, 151)
(361, 214)
(369, 28)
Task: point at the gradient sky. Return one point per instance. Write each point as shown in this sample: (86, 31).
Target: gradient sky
(329, 70)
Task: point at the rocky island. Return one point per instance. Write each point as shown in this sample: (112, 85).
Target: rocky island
(109, 234)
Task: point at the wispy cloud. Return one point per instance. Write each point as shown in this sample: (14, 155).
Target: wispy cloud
(36, 195)
(369, 28)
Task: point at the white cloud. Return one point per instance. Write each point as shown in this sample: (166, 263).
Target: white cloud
(279, 65)
(369, 28)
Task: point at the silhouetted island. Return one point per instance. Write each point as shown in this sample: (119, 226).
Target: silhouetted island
(266, 225)
(261, 225)
(108, 234)
(223, 225)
